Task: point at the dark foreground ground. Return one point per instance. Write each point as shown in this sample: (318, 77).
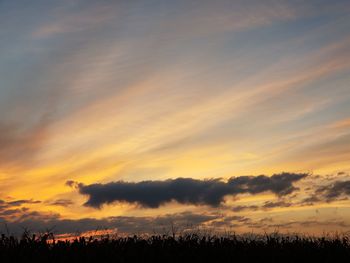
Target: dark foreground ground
(188, 248)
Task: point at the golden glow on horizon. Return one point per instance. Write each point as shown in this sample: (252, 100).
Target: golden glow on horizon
(109, 93)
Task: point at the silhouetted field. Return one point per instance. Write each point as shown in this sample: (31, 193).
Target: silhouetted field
(187, 248)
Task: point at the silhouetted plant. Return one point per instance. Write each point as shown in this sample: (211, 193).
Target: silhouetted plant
(193, 247)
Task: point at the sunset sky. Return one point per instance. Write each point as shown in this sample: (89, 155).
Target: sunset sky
(138, 115)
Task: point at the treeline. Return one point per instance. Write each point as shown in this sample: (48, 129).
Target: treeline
(187, 248)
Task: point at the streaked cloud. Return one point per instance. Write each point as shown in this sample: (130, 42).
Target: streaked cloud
(62, 202)
(335, 190)
(37, 222)
(117, 94)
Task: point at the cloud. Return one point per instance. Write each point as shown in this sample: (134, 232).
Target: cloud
(279, 184)
(20, 145)
(14, 209)
(240, 208)
(62, 202)
(310, 200)
(16, 203)
(152, 194)
(10, 212)
(310, 223)
(38, 222)
(73, 21)
(281, 203)
(335, 190)
(266, 205)
(317, 189)
(23, 201)
(72, 183)
(229, 221)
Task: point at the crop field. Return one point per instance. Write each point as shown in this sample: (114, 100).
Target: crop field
(168, 248)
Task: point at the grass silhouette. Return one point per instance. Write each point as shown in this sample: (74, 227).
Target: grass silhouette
(169, 248)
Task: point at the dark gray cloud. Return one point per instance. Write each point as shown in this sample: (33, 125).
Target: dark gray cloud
(334, 190)
(211, 192)
(11, 210)
(310, 223)
(310, 200)
(8, 204)
(264, 206)
(38, 222)
(62, 202)
(274, 204)
(279, 184)
(269, 223)
(279, 203)
(23, 201)
(229, 221)
(240, 208)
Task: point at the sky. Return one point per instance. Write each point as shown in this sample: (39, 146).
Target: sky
(137, 116)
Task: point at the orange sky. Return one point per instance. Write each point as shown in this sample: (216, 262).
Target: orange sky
(98, 93)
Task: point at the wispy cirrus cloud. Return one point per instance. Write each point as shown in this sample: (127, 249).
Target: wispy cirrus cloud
(19, 145)
(154, 91)
(76, 20)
